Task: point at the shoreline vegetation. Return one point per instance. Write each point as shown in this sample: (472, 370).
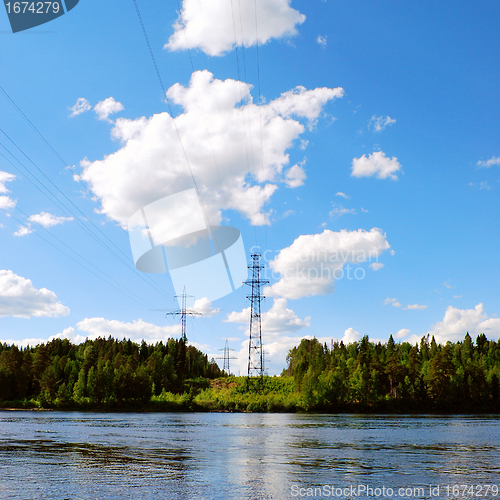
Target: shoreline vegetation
(362, 377)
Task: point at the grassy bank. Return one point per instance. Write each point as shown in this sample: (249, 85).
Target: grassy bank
(227, 394)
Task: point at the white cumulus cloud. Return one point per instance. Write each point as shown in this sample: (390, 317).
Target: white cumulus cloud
(379, 123)
(5, 202)
(376, 266)
(338, 210)
(107, 107)
(376, 164)
(19, 298)
(457, 322)
(343, 195)
(313, 262)
(47, 220)
(494, 160)
(295, 176)
(275, 322)
(81, 106)
(401, 333)
(322, 40)
(393, 302)
(23, 230)
(350, 336)
(415, 307)
(138, 330)
(151, 163)
(204, 307)
(217, 26)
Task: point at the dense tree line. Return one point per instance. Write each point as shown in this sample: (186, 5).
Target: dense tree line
(455, 377)
(459, 377)
(97, 371)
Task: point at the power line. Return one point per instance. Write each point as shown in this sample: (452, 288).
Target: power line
(67, 211)
(203, 112)
(146, 37)
(147, 280)
(241, 100)
(212, 236)
(74, 260)
(259, 104)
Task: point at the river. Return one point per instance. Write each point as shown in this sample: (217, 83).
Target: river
(225, 456)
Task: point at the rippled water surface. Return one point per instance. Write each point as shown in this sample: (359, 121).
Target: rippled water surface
(54, 455)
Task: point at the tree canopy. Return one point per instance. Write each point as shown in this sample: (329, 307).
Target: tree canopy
(98, 370)
(456, 377)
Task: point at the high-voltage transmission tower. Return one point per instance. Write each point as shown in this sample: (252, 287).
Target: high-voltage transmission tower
(183, 313)
(227, 356)
(255, 379)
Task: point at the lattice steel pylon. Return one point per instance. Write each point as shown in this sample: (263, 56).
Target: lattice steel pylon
(255, 378)
(183, 313)
(227, 356)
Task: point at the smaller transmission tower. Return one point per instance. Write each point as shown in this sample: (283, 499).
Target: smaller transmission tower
(183, 313)
(227, 356)
(255, 378)
(265, 355)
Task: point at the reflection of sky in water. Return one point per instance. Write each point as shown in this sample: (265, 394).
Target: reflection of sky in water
(236, 456)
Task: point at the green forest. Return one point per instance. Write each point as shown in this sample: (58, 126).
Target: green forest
(114, 375)
(455, 377)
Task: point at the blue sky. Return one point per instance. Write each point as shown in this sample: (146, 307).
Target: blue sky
(380, 133)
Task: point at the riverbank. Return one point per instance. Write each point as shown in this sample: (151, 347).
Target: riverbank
(230, 395)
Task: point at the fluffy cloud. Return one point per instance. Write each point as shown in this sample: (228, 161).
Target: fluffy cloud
(457, 322)
(338, 210)
(23, 230)
(19, 298)
(494, 160)
(393, 302)
(313, 262)
(376, 266)
(92, 328)
(34, 341)
(81, 106)
(343, 195)
(5, 202)
(401, 333)
(322, 40)
(396, 303)
(44, 219)
(275, 322)
(379, 123)
(5, 177)
(376, 164)
(217, 26)
(151, 163)
(47, 220)
(204, 307)
(107, 107)
(295, 176)
(414, 306)
(350, 336)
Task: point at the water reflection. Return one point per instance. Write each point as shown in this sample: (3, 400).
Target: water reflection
(235, 456)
